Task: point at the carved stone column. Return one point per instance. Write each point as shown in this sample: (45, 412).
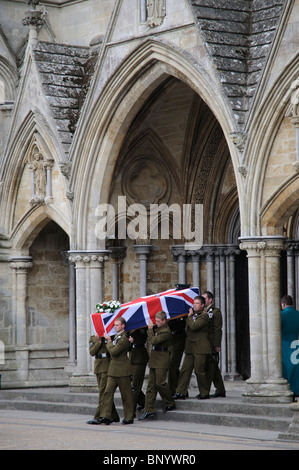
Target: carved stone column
(179, 254)
(292, 258)
(20, 266)
(142, 251)
(33, 19)
(195, 256)
(222, 306)
(232, 373)
(89, 268)
(72, 317)
(210, 261)
(117, 254)
(266, 384)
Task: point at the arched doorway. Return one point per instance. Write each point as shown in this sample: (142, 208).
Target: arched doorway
(48, 307)
(175, 153)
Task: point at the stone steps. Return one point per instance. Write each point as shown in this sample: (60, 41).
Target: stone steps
(229, 411)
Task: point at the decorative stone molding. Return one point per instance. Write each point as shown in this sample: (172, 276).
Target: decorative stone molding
(70, 195)
(273, 245)
(34, 17)
(243, 170)
(158, 187)
(239, 139)
(118, 253)
(65, 168)
(22, 263)
(88, 256)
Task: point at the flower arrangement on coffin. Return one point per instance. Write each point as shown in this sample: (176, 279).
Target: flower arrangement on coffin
(109, 306)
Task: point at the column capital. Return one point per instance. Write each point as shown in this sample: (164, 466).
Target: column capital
(292, 246)
(86, 256)
(263, 244)
(118, 253)
(179, 250)
(21, 262)
(143, 249)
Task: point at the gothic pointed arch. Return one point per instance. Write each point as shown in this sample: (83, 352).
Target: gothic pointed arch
(32, 223)
(282, 206)
(27, 176)
(109, 120)
(270, 119)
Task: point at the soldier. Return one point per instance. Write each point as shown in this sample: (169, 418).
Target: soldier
(177, 345)
(119, 375)
(138, 356)
(197, 349)
(97, 349)
(159, 336)
(215, 336)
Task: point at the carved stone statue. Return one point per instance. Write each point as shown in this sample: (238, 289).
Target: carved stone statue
(156, 11)
(39, 177)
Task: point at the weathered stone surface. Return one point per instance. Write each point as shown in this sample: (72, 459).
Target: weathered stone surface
(239, 35)
(65, 73)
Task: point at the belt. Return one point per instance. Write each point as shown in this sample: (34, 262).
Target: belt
(138, 346)
(159, 348)
(99, 356)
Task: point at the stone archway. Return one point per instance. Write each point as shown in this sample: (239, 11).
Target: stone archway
(48, 307)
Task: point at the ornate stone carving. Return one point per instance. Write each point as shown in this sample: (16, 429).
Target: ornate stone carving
(239, 139)
(294, 109)
(33, 16)
(156, 11)
(243, 170)
(85, 258)
(65, 168)
(21, 263)
(144, 182)
(39, 177)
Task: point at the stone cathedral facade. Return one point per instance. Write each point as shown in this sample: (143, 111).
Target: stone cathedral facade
(146, 102)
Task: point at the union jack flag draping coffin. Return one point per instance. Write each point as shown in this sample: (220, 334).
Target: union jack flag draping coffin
(175, 303)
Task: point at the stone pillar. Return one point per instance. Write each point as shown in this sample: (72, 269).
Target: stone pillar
(292, 259)
(117, 254)
(33, 19)
(266, 384)
(195, 258)
(210, 260)
(72, 317)
(21, 265)
(272, 250)
(142, 251)
(179, 255)
(222, 306)
(232, 373)
(48, 166)
(89, 267)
